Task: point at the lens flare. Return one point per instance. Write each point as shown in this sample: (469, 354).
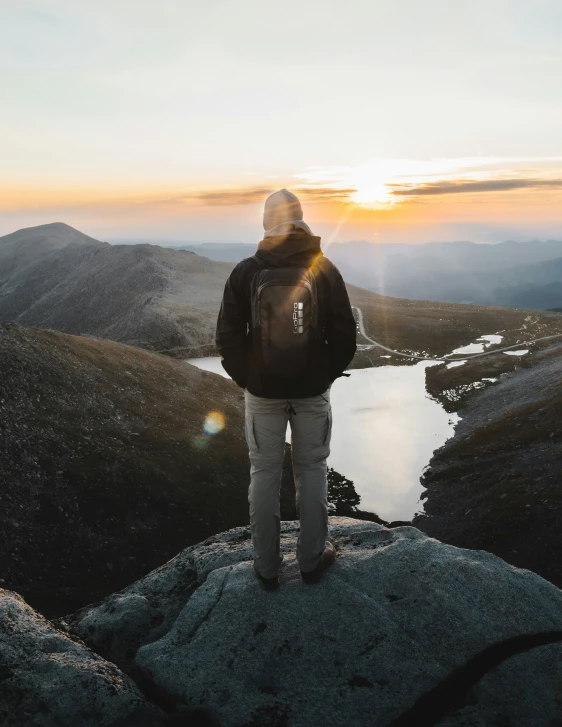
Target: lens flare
(214, 423)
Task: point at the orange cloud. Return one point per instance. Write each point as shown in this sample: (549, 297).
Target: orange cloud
(461, 186)
(257, 195)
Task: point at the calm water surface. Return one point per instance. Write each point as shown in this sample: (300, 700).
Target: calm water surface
(384, 433)
(482, 343)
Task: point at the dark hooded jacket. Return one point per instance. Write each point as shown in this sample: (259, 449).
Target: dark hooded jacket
(327, 358)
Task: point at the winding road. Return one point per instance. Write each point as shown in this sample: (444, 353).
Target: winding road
(460, 357)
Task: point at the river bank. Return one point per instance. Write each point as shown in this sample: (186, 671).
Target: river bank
(496, 484)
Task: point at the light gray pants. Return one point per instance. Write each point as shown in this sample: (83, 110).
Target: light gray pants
(311, 429)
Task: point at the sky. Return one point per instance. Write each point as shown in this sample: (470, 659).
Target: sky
(393, 120)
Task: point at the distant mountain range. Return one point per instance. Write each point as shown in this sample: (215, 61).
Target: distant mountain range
(512, 274)
(167, 300)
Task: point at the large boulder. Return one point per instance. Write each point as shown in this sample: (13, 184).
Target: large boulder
(402, 627)
(402, 630)
(48, 679)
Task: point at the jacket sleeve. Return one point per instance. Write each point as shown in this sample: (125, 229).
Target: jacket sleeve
(232, 328)
(341, 328)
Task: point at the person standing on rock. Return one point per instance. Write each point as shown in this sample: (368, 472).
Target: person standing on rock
(285, 332)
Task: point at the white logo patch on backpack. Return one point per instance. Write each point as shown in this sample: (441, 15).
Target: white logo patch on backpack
(298, 314)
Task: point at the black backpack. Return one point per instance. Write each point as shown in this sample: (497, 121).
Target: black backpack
(284, 318)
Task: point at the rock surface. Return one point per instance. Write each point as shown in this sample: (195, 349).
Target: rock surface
(394, 617)
(49, 680)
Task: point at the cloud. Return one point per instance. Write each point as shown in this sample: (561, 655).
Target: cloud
(465, 186)
(226, 197)
(325, 193)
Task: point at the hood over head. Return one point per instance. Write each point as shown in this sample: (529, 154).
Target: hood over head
(288, 240)
(281, 207)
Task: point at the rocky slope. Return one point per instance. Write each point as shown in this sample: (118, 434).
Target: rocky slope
(55, 277)
(106, 469)
(402, 630)
(496, 484)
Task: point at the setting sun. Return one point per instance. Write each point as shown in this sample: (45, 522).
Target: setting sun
(372, 192)
(372, 182)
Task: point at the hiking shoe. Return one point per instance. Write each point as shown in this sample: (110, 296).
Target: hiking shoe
(328, 557)
(269, 584)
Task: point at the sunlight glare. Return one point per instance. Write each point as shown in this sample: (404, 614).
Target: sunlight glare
(375, 181)
(214, 423)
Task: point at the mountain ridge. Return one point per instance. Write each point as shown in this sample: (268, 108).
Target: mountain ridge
(456, 271)
(154, 297)
(168, 300)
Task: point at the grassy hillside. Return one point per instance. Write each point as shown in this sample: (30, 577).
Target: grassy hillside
(105, 468)
(435, 329)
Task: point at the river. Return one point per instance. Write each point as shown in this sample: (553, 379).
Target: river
(385, 429)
